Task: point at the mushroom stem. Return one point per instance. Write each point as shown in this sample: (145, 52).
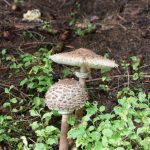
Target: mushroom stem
(79, 112)
(83, 69)
(63, 135)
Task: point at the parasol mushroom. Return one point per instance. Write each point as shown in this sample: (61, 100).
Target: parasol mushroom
(65, 96)
(85, 59)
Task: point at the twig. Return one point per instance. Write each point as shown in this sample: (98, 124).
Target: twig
(7, 2)
(128, 78)
(34, 43)
(117, 76)
(22, 93)
(32, 140)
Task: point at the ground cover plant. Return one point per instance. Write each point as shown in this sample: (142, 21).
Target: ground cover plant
(116, 117)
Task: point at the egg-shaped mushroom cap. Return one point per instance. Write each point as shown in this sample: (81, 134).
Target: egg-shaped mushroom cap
(66, 96)
(83, 57)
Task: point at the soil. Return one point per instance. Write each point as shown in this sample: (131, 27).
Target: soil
(122, 30)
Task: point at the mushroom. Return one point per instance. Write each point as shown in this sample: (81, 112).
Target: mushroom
(85, 59)
(65, 96)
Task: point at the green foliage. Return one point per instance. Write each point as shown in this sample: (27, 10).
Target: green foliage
(29, 113)
(127, 127)
(48, 27)
(138, 74)
(135, 67)
(89, 28)
(28, 125)
(39, 77)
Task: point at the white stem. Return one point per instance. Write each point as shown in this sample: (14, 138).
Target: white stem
(79, 113)
(63, 145)
(83, 69)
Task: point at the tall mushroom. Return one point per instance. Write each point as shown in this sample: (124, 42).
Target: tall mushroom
(85, 59)
(65, 96)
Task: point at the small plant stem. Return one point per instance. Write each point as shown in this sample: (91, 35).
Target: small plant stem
(7, 2)
(63, 135)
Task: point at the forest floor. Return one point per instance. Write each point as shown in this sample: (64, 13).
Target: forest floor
(120, 30)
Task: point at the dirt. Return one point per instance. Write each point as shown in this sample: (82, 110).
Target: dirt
(122, 29)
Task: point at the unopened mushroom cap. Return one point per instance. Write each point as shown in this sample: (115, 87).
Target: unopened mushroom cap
(81, 57)
(66, 96)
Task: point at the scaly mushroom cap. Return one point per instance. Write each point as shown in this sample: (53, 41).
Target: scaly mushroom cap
(83, 57)
(66, 96)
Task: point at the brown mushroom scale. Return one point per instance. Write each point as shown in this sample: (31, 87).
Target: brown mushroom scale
(66, 96)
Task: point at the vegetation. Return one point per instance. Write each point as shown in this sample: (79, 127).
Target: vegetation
(28, 124)
(118, 27)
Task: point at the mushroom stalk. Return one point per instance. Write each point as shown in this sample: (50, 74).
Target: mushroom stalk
(63, 135)
(82, 78)
(83, 69)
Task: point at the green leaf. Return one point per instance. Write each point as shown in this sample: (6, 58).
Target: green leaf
(14, 110)
(2, 119)
(47, 115)
(30, 85)
(72, 120)
(35, 69)
(102, 108)
(34, 113)
(91, 128)
(24, 81)
(40, 146)
(122, 101)
(118, 109)
(107, 132)
(104, 141)
(95, 135)
(9, 117)
(141, 130)
(119, 148)
(66, 72)
(135, 76)
(50, 129)
(86, 118)
(98, 146)
(37, 101)
(40, 133)
(34, 125)
(77, 132)
(24, 139)
(3, 52)
(51, 141)
(92, 109)
(6, 90)
(6, 104)
(13, 100)
(142, 97)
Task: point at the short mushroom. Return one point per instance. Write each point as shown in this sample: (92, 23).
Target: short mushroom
(65, 96)
(85, 59)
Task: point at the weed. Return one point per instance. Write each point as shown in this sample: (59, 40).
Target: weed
(126, 125)
(28, 125)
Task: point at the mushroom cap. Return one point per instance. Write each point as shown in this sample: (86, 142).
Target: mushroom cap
(66, 96)
(83, 57)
